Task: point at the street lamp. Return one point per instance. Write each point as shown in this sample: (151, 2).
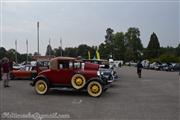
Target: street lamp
(16, 50)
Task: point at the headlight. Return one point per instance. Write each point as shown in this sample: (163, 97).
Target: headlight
(102, 73)
(98, 73)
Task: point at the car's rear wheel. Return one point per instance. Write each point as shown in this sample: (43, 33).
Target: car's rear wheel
(41, 87)
(94, 89)
(78, 81)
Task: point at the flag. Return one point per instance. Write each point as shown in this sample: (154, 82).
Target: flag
(89, 55)
(97, 55)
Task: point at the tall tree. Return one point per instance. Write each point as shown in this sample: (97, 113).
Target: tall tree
(104, 52)
(58, 51)
(178, 50)
(109, 35)
(2, 52)
(83, 49)
(153, 48)
(49, 50)
(11, 54)
(118, 46)
(133, 44)
(71, 52)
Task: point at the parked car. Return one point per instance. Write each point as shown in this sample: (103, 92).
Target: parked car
(40, 65)
(106, 71)
(71, 73)
(167, 67)
(176, 67)
(16, 66)
(158, 66)
(24, 73)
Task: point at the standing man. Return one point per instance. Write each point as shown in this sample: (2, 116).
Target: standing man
(5, 71)
(0, 70)
(139, 69)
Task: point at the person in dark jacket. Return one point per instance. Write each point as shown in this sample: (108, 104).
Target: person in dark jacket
(0, 70)
(5, 71)
(139, 69)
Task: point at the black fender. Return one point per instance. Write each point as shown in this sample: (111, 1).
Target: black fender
(95, 79)
(33, 75)
(40, 77)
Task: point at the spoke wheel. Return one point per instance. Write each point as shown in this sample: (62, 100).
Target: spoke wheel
(94, 89)
(41, 87)
(78, 81)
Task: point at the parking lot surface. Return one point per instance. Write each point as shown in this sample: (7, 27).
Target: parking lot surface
(153, 97)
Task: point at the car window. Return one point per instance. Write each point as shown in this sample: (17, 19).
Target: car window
(60, 66)
(77, 65)
(27, 68)
(70, 64)
(83, 65)
(64, 65)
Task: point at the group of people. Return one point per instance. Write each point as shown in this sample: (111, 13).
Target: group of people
(6, 67)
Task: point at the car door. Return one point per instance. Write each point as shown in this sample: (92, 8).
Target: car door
(64, 73)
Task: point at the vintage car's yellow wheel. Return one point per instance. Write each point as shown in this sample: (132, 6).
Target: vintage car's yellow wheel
(41, 87)
(78, 81)
(94, 89)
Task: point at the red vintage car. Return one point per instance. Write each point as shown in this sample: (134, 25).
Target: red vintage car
(25, 72)
(71, 73)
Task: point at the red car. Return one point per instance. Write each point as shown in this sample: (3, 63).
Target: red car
(71, 73)
(26, 72)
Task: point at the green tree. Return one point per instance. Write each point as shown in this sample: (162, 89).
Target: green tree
(118, 46)
(58, 51)
(178, 51)
(11, 54)
(133, 44)
(153, 48)
(83, 49)
(103, 50)
(109, 35)
(2, 52)
(70, 52)
(107, 49)
(169, 58)
(49, 50)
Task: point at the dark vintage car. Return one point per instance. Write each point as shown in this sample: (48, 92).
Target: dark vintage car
(71, 73)
(105, 69)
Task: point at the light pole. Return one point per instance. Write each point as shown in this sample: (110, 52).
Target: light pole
(38, 37)
(16, 50)
(49, 48)
(61, 45)
(27, 49)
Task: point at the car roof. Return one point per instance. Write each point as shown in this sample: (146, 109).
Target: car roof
(101, 60)
(63, 58)
(54, 61)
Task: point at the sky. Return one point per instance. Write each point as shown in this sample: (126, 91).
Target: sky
(85, 22)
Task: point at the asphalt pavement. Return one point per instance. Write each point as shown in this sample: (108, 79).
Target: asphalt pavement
(155, 96)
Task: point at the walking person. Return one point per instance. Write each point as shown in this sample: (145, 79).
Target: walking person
(139, 69)
(5, 71)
